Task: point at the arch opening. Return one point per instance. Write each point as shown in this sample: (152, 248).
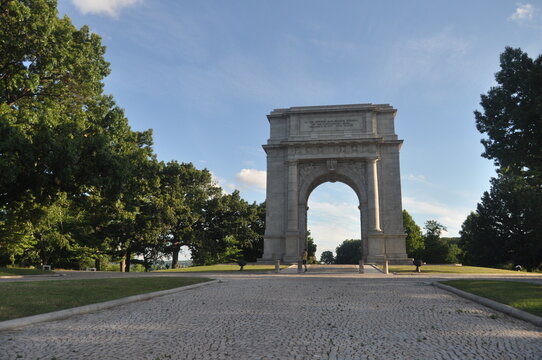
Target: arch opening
(333, 215)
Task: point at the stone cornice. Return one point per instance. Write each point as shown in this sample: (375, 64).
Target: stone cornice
(279, 113)
(323, 143)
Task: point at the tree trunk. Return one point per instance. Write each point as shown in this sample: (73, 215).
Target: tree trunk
(97, 264)
(128, 256)
(175, 256)
(123, 264)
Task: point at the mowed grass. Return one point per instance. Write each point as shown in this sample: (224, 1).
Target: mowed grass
(28, 298)
(521, 295)
(224, 268)
(450, 269)
(10, 271)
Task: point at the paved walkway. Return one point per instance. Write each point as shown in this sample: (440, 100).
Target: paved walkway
(286, 317)
(333, 269)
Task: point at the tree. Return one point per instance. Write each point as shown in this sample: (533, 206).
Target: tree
(70, 161)
(512, 116)
(349, 252)
(453, 253)
(414, 238)
(505, 228)
(506, 225)
(311, 248)
(435, 250)
(327, 257)
(187, 191)
(254, 249)
(228, 224)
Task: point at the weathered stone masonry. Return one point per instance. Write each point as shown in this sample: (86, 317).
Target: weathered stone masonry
(353, 144)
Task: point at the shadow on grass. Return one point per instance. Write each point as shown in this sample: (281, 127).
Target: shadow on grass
(28, 298)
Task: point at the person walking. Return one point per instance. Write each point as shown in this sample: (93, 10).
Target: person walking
(305, 257)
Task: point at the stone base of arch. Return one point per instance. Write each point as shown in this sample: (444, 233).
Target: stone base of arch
(381, 245)
(377, 247)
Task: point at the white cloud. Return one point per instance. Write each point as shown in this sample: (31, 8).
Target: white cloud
(107, 7)
(331, 223)
(452, 218)
(333, 212)
(226, 186)
(252, 177)
(416, 178)
(328, 236)
(524, 13)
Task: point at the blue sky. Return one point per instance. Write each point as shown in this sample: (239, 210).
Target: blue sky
(204, 75)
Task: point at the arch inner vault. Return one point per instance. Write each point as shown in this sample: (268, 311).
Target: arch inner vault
(353, 144)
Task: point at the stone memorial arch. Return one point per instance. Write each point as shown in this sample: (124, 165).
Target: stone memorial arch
(353, 144)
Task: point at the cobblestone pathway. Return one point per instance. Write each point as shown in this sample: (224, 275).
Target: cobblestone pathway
(289, 317)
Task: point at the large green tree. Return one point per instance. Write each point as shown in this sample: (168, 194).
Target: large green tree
(77, 183)
(435, 251)
(512, 116)
(65, 146)
(505, 228)
(231, 229)
(414, 237)
(186, 192)
(348, 252)
(327, 257)
(253, 248)
(311, 248)
(506, 225)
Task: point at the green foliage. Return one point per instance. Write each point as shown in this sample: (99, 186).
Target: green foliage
(67, 149)
(311, 249)
(512, 116)
(349, 252)
(414, 238)
(186, 192)
(506, 226)
(436, 250)
(78, 184)
(453, 253)
(327, 257)
(229, 222)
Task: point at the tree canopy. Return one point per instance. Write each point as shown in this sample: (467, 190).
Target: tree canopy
(512, 116)
(348, 252)
(78, 185)
(505, 228)
(414, 238)
(327, 257)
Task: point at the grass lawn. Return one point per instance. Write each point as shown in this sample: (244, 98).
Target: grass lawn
(27, 298)
(450, 269)
(224, 267)
(21, 271)
(521, 295)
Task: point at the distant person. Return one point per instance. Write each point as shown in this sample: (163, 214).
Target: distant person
(305, 257)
